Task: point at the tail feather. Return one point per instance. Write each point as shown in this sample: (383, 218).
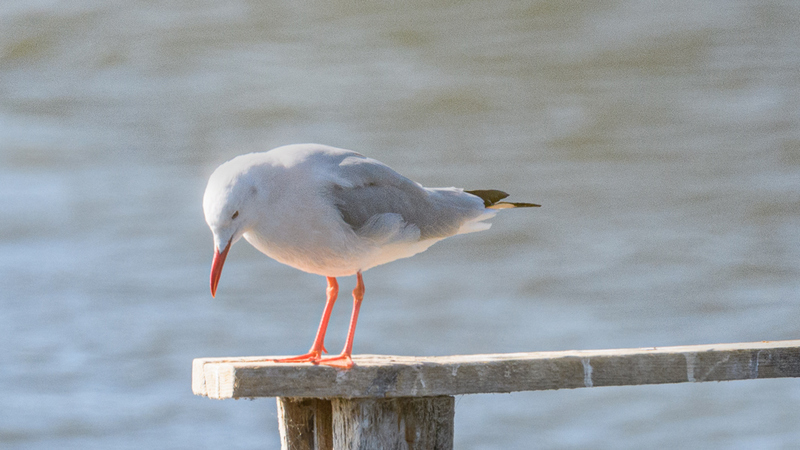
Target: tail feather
(491, 199)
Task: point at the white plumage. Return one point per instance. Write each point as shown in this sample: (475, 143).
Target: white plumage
(333, 212)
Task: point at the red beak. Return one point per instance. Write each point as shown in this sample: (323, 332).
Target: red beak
(216, 268)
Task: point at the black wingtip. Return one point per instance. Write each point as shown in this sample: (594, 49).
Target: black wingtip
(491, 199)
(522, 204)
(489, 196)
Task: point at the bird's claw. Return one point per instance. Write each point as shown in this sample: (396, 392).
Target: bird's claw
(340, 362)
(312, 357)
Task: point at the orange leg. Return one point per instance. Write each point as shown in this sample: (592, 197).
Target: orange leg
(344, 360)
(318, 347)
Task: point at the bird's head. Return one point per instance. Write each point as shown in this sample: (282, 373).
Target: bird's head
(229, 205)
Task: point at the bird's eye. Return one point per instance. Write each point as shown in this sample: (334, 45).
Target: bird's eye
(235, 215)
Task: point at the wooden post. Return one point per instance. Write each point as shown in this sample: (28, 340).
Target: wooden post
(400, 402)
(305, 423)
(366, 423)
(393, 423)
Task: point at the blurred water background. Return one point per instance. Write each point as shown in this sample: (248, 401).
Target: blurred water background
(662, 138)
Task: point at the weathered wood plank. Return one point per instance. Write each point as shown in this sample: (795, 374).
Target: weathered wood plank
(376, 376)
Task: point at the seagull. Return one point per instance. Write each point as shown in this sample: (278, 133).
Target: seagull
(336, 213)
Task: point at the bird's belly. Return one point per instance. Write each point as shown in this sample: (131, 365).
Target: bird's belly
(314, 253)
(345, 258)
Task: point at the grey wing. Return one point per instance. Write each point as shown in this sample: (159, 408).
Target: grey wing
(371, 194)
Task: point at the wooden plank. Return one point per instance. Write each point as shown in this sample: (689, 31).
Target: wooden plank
(376, 376)
(393, 423)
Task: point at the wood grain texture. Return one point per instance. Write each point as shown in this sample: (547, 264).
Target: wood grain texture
(376, 376)
(393, 423)
(305, 423)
